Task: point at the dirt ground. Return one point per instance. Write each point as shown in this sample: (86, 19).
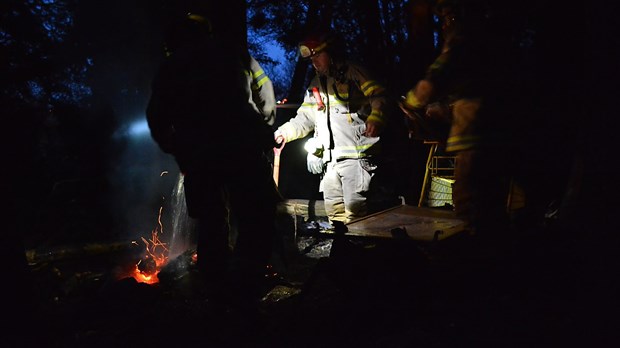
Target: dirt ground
(548, 287)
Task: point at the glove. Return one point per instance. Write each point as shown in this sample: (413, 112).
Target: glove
(315, 164)
(278, 136)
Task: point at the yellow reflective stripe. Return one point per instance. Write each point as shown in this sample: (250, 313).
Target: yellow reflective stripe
(412, 101)
(259, 83)
(375, 117)
(259, 78)
(200, 19)
(335, 101)
(461, 142)
(319, 48)
(258, 73)
(371, 87)
(439, 62)
(353, 149)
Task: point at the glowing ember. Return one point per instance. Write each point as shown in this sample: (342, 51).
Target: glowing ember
(155, 257)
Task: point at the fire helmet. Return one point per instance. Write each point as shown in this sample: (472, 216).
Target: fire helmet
(312, 46)
(200, 19)
(182, 29)
(316, 43)
(459, 9)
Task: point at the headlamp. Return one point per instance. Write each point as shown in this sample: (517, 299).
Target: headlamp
(305, 51)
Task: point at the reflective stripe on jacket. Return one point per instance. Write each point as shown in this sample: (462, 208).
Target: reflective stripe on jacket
(263, 97)
(341, 124)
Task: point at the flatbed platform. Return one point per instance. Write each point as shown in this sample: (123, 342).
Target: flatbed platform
(401, 221)
(408, 222)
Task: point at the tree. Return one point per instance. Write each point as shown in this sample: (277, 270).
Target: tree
(376, 33)
(33, 36)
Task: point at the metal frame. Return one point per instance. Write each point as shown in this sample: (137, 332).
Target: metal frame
(435, 166)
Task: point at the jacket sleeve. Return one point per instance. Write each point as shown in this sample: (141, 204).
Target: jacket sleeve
(303, 123)
(373, 90)
(262, 92)
(425, 90)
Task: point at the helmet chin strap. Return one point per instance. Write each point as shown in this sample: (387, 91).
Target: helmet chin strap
(332, 69)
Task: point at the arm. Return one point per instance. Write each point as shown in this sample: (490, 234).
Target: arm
(262, 92)
(420, 103)
(425, 90)
(300, 125)
(375, 92)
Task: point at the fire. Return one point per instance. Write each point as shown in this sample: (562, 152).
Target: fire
(155, 257)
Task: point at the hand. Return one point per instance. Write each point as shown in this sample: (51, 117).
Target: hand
(278, 137)
(315, 164)
(372, 129)
(413, 114)
(415, 121)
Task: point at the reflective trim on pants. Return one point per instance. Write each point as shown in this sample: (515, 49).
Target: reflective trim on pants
(345, 186)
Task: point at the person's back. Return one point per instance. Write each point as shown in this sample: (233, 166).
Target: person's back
(202, 113)
(196, 93)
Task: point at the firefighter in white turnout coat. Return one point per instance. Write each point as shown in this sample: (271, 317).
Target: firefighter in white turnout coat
(344, 107)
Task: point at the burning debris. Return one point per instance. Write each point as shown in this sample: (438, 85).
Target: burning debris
(155, 257)
(179, 267)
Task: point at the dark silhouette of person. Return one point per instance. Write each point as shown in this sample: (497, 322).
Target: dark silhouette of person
(463, 99)
(202, 112)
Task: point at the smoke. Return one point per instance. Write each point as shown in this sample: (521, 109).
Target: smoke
(142, 179)
(182, 225)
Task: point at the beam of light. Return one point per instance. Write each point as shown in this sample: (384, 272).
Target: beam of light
(138, 128)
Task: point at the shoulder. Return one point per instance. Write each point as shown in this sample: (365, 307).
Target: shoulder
(254, 64)
(357, 71)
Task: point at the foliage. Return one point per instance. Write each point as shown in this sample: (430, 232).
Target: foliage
(374, 32)
(33, 36)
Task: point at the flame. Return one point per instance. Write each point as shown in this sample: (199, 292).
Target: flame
(155, 256)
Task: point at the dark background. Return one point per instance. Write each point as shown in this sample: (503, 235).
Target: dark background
(81, 167)
(76, 78)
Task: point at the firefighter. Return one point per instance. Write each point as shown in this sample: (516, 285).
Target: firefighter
(464, 98)
(262, 92)
(344, 107)
(203, 113)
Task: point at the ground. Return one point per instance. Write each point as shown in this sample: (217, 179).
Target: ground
(548, 287)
